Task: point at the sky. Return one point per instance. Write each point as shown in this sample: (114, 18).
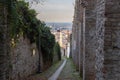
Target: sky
(55, 10)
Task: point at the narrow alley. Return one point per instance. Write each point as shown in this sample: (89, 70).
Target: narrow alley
(59, 39)
(64, 70)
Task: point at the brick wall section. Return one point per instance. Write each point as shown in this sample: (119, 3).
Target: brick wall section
(112, 40)
(100, 8)
(90, 40)
(102, 39)
(75, 38)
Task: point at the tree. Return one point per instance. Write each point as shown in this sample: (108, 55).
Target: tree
(36, 1)
(47, 44)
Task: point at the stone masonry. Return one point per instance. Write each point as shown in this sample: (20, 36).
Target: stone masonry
(24, 59)
(100, 28)
(4, 42)
(112, 40)
(96, 39)
(90, 22)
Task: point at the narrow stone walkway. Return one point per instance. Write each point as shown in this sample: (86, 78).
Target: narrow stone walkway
(45, 75)
(64, 70)
(57, 73)
(69, 72)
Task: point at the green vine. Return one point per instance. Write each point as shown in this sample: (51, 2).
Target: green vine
(25, 23)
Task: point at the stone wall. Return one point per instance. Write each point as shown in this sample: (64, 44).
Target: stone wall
(101, 39)
(4, 42)
(90, 39)
(75, 46)
(100, 10)
(112, 40)
(25, 59)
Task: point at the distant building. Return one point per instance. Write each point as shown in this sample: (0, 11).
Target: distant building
(62, 36)
(62, 33)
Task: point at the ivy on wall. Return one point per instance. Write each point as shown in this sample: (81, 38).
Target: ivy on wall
(24, 22)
